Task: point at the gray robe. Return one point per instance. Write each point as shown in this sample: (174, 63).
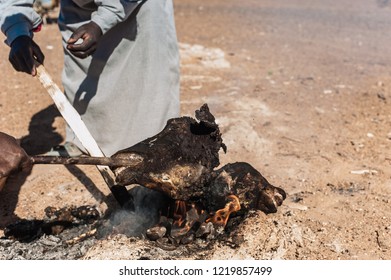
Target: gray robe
(128, 89)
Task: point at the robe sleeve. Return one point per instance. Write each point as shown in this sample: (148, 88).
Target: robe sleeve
(17, 18)
(112, 12)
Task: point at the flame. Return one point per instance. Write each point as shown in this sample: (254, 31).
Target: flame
(183, 219)
(179, 214)
(221, 216)
(185, 215)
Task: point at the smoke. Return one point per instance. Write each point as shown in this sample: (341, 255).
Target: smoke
(148, 206)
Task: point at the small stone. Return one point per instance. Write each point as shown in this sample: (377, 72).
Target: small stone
(381, 96)
(336, 246)
(205, 230)
(156, 233)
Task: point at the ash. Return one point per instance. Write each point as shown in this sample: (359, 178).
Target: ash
(131, 225)
(47, 247)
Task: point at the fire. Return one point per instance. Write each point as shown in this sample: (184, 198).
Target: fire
(179, 214)
(184, 218)
(185, 215)
(221, 216)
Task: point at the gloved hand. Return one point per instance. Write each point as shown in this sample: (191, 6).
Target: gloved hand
(90, 34)
(24, 52)
(12, 158)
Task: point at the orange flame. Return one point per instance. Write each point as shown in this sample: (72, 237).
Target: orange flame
(183, 219)
(179, 214)
(185, 215)
(221, 216)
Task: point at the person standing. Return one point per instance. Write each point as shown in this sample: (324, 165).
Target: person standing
(121, 64)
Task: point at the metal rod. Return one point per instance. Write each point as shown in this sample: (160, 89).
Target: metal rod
(86, 160)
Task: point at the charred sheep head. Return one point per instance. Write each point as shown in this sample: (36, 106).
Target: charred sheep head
(180, 161)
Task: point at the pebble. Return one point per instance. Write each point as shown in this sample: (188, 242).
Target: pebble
(156, 233)
(205, 230)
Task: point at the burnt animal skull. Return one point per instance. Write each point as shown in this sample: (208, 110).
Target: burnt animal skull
(180, 161)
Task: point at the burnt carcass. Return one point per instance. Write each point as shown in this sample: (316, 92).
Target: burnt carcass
(180, 161)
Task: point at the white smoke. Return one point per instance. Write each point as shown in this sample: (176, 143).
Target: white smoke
(148, 204)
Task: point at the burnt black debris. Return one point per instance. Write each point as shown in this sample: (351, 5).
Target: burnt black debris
(56, 220)
(63, 234)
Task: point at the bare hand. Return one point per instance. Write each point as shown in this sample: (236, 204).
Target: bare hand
(89, 34)
(12, 157)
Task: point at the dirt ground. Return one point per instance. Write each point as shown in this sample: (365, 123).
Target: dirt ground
(300, 89)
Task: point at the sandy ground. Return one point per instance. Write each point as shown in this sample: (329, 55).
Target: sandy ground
(300, 89)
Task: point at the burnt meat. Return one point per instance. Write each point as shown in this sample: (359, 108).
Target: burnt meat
(179, 160)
